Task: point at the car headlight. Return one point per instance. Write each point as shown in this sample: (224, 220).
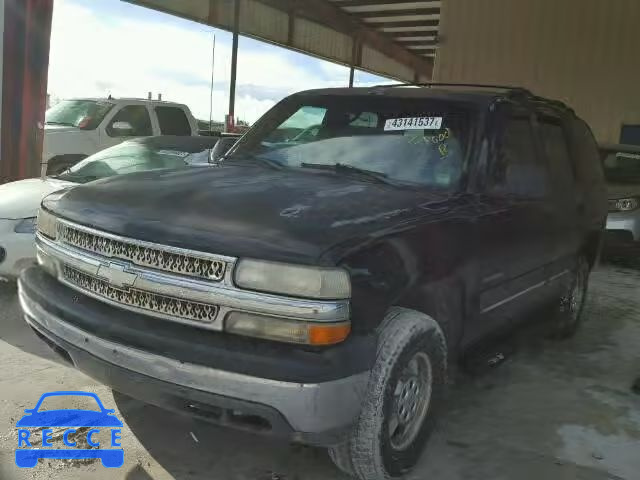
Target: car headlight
(26, 225)
(46, 224)
(294, 280)
(283, 330)
(626, 204)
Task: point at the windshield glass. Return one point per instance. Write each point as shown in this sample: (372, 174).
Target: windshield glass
(86, 114)
(406, 141)
(622, 167)
(130, 158)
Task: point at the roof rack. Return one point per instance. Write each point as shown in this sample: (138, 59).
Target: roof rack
(512, 88)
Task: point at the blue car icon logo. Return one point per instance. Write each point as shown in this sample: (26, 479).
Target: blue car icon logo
(30, 450)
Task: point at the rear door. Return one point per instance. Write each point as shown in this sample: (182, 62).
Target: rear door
(568, 201)
(515, 231)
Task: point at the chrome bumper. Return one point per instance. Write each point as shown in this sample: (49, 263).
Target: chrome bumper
(308, 407)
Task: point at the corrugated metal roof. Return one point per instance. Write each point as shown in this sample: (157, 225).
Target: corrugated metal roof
(413, 25)
(391, 38)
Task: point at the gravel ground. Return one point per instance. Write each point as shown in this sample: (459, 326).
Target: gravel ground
(556, 410)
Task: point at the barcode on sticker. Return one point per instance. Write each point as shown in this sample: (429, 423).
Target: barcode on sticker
(414, 123)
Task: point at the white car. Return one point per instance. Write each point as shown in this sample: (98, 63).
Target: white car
(20, 201)
(77, 128)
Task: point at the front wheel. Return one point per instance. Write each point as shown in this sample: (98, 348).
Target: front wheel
(569, 310)
(405, 389)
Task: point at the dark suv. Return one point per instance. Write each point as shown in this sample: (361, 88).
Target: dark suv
(320, 280)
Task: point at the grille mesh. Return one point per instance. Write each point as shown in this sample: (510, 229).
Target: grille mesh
(156, 258)
(152, 302)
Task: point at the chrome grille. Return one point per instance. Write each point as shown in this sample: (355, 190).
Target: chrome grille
(153, 302)
(144, 256)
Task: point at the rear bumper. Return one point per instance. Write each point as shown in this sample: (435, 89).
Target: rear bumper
(312, 413)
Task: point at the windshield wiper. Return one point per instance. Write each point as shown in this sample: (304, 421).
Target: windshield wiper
(342, 168)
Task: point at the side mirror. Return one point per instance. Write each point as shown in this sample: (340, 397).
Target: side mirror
(221, 148)
(122, 128)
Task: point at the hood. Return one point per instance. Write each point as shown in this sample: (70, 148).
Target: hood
(22, 199)
(622, 190)
(247, 210)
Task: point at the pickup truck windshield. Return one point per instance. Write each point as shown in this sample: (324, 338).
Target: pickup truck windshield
(129, 158)
(85, 114)
(405, 141)
(622, 167)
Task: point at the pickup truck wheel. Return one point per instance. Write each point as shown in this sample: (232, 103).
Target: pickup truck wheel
(405, 389)
(571, 304)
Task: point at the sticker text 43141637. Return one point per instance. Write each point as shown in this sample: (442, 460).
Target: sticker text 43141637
(413, 123)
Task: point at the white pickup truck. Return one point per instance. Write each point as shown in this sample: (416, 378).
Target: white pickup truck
(79, 127)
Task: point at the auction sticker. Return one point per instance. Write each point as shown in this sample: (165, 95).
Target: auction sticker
(413, 123)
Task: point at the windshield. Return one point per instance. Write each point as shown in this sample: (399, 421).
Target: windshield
(85, 114)
(403, 140)
(621, 167)
(130, 158)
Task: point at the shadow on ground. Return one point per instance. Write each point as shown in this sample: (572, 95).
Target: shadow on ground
(14, 330)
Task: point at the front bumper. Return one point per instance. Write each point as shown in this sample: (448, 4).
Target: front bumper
(624, 224)
(17, 250)
(317, 413)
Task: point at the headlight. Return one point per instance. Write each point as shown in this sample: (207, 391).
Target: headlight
(46, 223)
(27, 225)
(295, 280)
(626, 204)
(282, 330)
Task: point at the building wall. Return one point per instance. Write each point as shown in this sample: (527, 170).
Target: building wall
(583, 52)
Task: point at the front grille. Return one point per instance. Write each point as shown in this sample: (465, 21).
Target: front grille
(153, 302)
(145, 256)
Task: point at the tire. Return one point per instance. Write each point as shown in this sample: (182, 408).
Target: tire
(568, 314)
(406, 387)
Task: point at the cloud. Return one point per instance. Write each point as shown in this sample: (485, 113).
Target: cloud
(101, 52)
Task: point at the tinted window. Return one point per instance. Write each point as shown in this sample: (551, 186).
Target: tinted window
(173, 121)
(135, 115)
(515, 168)
(630, 135)
(584, 151)
(557, 152)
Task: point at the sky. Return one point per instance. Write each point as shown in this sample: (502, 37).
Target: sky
(102, 47)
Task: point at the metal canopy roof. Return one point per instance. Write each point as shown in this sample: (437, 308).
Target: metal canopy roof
(395, 39)
(413, 25)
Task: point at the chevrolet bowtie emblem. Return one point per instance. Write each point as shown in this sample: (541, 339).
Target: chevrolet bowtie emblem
(117, 275)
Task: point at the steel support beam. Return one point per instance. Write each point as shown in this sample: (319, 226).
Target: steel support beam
(327, 13)
(230, 124)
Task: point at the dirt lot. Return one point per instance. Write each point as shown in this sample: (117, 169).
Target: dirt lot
(552, 410)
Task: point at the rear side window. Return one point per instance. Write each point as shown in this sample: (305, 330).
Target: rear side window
(586, 156)
(173, 121)
(515, 168)
(557, 151)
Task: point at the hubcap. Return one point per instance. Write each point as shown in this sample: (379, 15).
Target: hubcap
(572, 302)
(411, 400)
